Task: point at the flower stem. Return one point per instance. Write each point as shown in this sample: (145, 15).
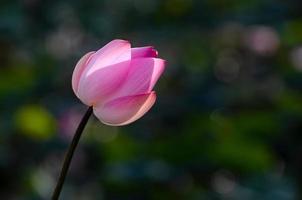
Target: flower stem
(69, 154)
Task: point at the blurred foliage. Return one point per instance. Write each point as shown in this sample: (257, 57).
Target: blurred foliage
(228, 119)
(35, 122)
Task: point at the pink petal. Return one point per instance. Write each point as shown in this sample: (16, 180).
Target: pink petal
(125, 110)
(112, 53)
(143, 74)
(78, 70)
(96, 87)
(141, 52)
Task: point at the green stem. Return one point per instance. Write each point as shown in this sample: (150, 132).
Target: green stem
(70, 152)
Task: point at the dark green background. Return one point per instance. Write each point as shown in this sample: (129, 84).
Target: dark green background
(227, 123)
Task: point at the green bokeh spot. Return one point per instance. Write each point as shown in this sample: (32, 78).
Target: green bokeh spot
(35, 122)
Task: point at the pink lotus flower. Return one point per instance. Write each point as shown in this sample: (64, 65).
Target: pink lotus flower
(117, 81)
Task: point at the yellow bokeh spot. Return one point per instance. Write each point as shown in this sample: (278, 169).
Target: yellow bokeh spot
(35, 122)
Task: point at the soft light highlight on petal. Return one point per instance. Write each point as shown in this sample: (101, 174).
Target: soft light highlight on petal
(142, 76)
(100, 85)
(79, 68)
(114, 52)
(125, 110)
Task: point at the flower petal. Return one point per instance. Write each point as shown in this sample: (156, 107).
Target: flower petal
(114, 52)
(78, 70)
(141, 52)
(97, 87)
(142, 76)
(125, 110)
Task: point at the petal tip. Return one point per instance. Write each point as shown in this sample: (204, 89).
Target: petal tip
(154, 52)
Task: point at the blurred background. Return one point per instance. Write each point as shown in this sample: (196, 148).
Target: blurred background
(227, 123)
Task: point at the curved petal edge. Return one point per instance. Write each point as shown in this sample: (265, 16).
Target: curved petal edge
(142, 76)
(112, 53)
(79, 69)
(125, 110)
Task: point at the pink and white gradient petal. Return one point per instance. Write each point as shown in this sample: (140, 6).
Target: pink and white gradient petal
(79, 68)
(141, 52)
(114, 52)
(142, 76)
(125, 110)
(98, 87)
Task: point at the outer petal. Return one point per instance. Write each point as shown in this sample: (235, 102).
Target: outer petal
(141, 52)
(125, 110)
(114, 52)
(97, 87)
(142, 76)
(78, 70)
